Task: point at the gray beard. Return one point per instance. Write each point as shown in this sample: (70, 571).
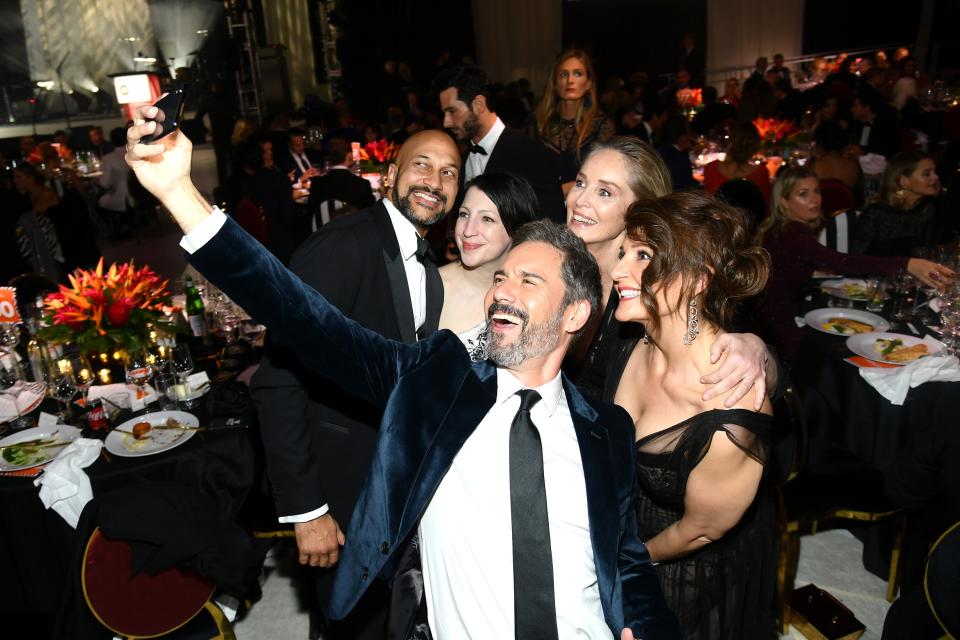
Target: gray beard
(536, 340)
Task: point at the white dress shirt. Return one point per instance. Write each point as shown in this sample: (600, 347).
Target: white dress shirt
(416, 280)
(466, 536)
(476, 162)
(302, 162)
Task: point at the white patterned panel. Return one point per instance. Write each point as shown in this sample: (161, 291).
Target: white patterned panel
(87, 33)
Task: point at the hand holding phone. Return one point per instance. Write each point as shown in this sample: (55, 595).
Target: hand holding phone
(169, 114)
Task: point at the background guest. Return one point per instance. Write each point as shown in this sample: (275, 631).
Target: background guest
(569, 117)
(904, 216)
(674, 148)
(789, 234)
(738, 163)
(338, 191)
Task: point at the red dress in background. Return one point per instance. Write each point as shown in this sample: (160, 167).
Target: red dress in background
(713, 179)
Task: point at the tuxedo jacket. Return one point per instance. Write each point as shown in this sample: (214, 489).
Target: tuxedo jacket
(433, 397)
(284, 160)
(319, 441)
(342, 185)
(525, 157)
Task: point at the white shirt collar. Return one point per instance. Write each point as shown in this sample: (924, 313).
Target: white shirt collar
(508, 385)
(406, 233)
(646, 125)
(489, 141)
(340, 166)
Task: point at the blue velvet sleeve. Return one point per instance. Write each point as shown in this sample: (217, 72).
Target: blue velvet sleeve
(359, 360)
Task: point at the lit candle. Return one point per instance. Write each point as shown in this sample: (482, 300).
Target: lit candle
(104, 375)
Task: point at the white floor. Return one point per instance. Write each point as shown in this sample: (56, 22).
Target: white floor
(830, 559)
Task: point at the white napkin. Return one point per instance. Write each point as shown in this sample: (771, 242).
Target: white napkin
(106, 390)
(64, 485)
(26, 394)
(873, 163)
(893, 384)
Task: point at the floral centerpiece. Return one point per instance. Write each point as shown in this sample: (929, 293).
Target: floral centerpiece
(690, 98)
(375, 155)
(776, 133)
(108, 311)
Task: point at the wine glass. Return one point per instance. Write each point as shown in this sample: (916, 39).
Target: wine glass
(12, 384)
(63, 387)
(181, 361)
(252, 330)
(139, 368)
(83, 373)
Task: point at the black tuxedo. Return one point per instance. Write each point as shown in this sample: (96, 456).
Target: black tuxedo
(284, 159)
(319, 440)
(884, 138)
(342, 185)
(525, 157)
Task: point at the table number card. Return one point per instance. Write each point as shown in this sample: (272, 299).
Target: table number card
(8, 305)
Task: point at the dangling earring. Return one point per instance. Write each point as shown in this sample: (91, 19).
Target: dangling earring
(587, 101)
(900, 195)
(692, 323)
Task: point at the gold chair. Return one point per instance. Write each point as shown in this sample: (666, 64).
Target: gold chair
(839, 487)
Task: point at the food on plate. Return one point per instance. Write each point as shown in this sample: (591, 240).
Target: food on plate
(141, 430)
(895, 351)
(847, 326)
(31, 451)
(854, 290)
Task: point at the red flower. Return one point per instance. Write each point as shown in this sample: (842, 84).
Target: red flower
(94, 296)
(118, 313)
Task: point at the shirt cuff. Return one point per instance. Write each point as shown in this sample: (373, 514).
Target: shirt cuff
(204, 231)
(306, 517)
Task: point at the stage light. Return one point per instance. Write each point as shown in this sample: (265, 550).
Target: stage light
(181, 26)
(45, 84)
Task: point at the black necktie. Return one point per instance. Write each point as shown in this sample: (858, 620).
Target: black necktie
(475, 148)
(534, 609)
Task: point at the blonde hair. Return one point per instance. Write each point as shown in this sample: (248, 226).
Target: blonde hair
(647, 173)
(786, 182)
(583, 120)
(901, 165)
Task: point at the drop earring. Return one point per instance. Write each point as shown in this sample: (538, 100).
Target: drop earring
(692, 323)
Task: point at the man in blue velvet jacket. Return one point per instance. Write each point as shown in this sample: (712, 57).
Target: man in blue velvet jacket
(442, 453)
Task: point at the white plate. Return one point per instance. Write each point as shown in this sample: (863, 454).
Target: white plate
(158, 440)
(837, 288)
(818, 317)
(59, 433)
(37, 389)
(865, 344)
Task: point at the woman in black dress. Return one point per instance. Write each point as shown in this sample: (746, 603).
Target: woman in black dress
(702, 509)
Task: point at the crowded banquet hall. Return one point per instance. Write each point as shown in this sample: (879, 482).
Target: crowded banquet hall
(309, 308)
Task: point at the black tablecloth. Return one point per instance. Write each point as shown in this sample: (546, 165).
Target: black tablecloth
(36, 544)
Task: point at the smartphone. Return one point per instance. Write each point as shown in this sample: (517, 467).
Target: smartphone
(169, 113)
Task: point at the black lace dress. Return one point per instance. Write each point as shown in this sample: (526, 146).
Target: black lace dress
(724, 590)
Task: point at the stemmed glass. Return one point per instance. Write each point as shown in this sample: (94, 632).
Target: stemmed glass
(9, 338)
(139, 369)
(83, 374)
(10, 384)
(63, 387)
(181, 361)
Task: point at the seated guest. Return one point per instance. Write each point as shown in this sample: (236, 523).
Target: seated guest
(494, 207)
(790, 102)
(116, 200)
(675, 151)
(831, 163)
(781, 71)
(569, 119)
(296, 158)
(874, 129)
(738, 163)
(271, 190)
(713, 114)
(339, 189)
(702, 505)
(789, 234)
(99, 146)
(731, 92)
(35, 231)
(904, 216)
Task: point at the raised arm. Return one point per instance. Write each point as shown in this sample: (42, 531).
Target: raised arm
(358, 360)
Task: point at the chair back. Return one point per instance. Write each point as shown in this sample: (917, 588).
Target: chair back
(137, 604)
(838, 230)
(743, 194)
(789, 448)
(941, 580)
(836, 196)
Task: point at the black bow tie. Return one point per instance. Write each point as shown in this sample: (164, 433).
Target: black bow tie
(475, 148)
(424, 250)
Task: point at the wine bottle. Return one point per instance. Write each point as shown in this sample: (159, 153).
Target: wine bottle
(196, 314)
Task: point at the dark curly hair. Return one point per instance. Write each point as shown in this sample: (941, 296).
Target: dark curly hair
(696, 237)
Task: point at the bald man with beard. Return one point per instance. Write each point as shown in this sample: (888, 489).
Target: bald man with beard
(319, 441)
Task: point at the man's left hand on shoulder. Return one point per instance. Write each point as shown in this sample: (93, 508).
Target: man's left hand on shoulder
(746, 364)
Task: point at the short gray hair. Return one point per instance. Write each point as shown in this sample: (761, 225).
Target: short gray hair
(579, 270)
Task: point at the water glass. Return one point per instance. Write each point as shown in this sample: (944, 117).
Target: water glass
(876, 290)
(139, 369)
(166, 384)
(63, 387)
(181, 361)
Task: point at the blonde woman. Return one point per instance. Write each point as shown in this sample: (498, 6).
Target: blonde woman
(569, 117)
